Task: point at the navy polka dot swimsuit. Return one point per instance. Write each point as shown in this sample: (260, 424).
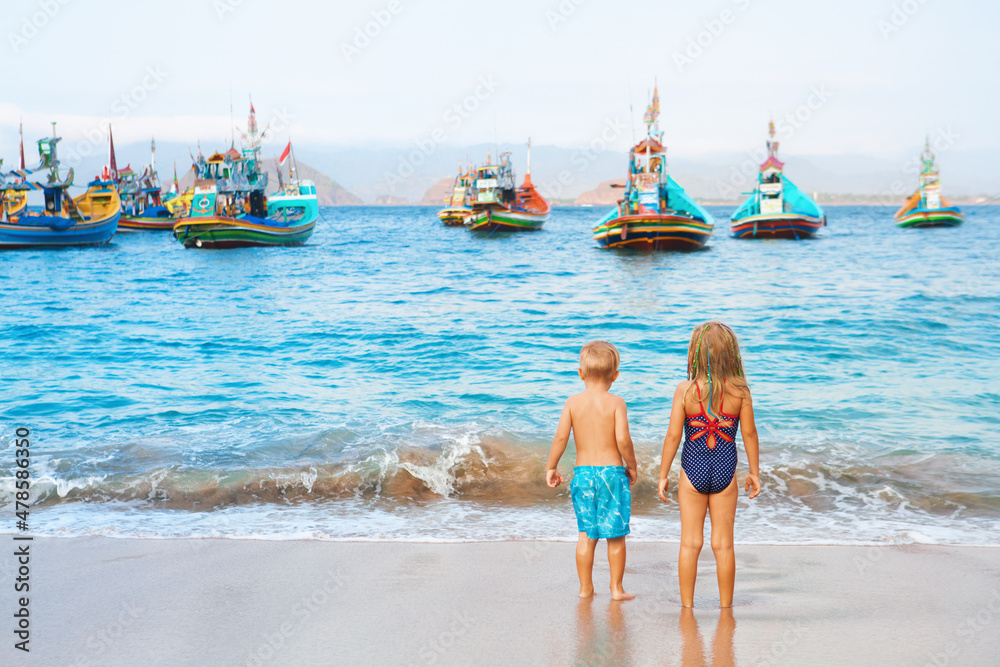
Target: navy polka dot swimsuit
(709, 467)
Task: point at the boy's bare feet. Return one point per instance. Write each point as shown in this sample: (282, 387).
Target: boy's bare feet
(620, 595)
(587, 592)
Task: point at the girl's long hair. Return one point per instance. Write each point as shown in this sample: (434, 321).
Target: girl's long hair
(714, 357)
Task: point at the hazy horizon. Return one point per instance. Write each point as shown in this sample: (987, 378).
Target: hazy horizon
(419, 80)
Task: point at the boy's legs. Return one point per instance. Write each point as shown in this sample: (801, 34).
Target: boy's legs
(693, 508)
(585, 564)
(616, 559)
(722, 508)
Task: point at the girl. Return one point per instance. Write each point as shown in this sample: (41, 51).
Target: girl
(708, 408)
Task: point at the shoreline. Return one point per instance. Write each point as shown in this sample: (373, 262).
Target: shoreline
(503, 540)
(117, 601)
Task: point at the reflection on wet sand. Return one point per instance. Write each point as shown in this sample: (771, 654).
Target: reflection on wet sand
(692, 647)
(604, 645)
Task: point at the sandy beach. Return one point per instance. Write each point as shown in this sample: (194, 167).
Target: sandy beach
(104, 601)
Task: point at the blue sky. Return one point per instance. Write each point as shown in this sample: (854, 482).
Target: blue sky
(865, 77)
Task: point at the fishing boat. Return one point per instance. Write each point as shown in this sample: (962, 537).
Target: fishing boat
(457, 206)
(295, 200)
(654, 213)
(498, 204)
(926, 207)
(89, 219)
(776, 209)
(229, 208)
(142, 205)
(177, 202)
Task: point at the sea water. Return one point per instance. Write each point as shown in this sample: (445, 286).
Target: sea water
(395, 379)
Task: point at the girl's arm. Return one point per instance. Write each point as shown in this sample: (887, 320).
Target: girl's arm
(559, 442)
(624, 440)
(673, 439)
(749, 430)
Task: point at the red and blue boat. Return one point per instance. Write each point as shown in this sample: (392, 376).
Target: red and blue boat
(776, 209)
(654, 213)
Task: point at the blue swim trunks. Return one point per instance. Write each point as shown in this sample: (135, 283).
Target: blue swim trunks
(602, 501)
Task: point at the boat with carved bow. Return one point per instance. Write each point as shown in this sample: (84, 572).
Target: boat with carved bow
(89, 219)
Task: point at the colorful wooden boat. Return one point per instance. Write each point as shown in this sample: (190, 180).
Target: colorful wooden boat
(497, 204)
(458, 206)
(776, 209)
(229, 208)
(177, 202)
(295, 201)
(926, 207)
(89, 219)
(654, 213)
(142, 205)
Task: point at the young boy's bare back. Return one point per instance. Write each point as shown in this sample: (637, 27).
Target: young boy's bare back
(605, 465)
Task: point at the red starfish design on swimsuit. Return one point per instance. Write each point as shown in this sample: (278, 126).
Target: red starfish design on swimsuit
(714, 427)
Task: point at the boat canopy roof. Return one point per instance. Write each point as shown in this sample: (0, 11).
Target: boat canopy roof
(653, 145)
(772, 162)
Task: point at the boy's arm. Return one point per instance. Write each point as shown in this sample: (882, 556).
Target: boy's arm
(559, 442)
(624, 440)
(672, 440)
(749, 430)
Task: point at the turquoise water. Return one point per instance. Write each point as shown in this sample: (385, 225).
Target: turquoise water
(396, 379)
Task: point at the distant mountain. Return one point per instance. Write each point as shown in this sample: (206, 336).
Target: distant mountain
(602, 195)
(389, 200)
(328, 191)
(439, 192)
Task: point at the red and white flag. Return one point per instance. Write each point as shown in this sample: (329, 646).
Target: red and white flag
(285, 153)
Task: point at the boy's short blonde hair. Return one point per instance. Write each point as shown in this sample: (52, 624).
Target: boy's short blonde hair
(599, 360)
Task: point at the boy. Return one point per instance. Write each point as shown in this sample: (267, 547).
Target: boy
(605, 465)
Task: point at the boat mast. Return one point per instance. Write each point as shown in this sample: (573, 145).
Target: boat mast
(21, 131)
(528, 172)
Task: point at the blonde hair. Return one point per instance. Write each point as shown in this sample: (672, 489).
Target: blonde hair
(599, 360)
(714, 358)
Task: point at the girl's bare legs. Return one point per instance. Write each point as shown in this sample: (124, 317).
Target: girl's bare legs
(585, 564)
(722, 508)
(693, 508)
(616, 559)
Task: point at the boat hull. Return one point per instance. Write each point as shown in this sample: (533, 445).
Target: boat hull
(938, 217)
(505, 220)
(454, 217)
(653, 232)
(782, 226)
(138, 224)
(32, 232)
(223, 232)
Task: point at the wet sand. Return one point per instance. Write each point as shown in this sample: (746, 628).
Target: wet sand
(102, 601)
